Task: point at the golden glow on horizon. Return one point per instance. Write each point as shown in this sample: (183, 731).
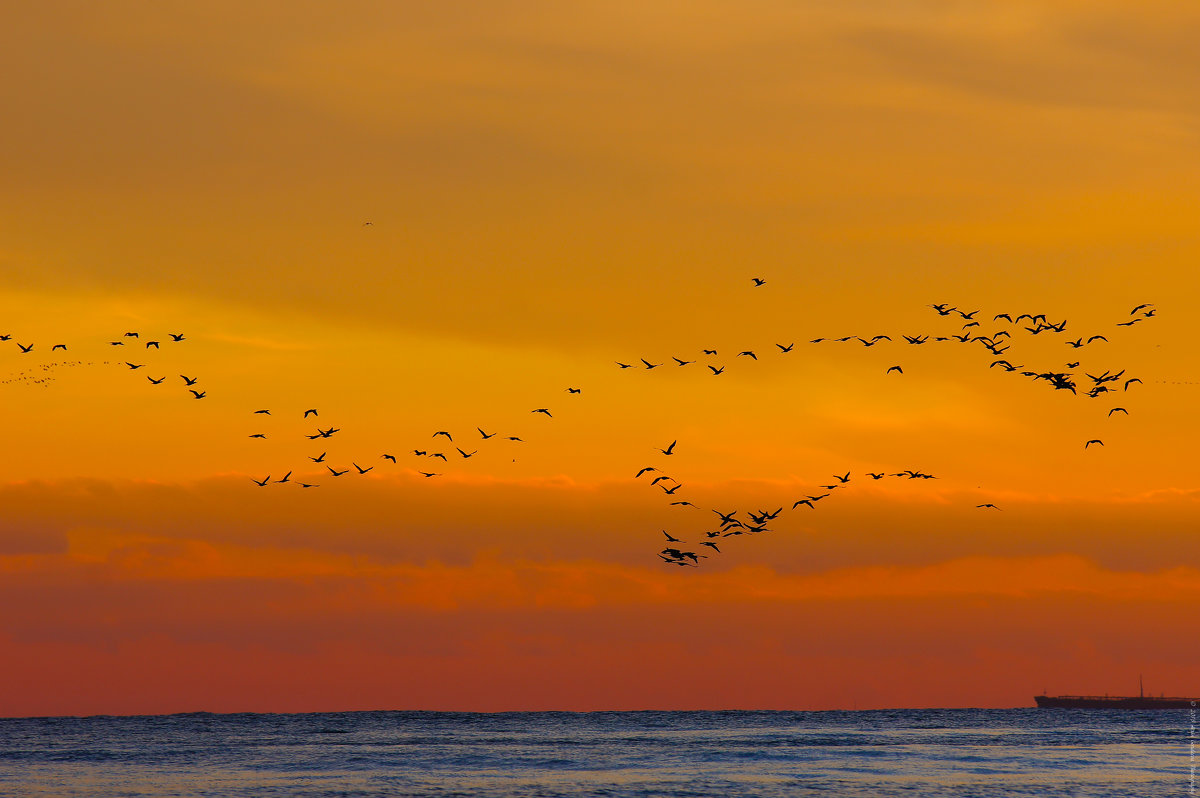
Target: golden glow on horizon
(553, 188)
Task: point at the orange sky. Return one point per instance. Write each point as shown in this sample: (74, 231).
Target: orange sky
(553, 188)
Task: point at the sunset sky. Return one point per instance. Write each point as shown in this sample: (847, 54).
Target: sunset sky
(553, 188)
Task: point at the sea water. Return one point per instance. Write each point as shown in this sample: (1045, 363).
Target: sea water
(905, 752)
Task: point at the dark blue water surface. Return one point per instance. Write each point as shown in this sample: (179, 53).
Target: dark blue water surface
(928, 752)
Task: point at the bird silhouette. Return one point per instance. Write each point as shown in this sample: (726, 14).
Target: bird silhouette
(443, 432)
(671, 539)
(199, 394)
(264, 481)
(465, 455)
(391, 457)
(758, 281)
(309, 412)
(286, 477)
(987, 507)
(188, 380)
(362, 470)
(336, 473)
(154, 381)
(177, 337)
(319, 459)
(895, 368)
(670, 449)
(1118, 409)
(1094, 440)
(485, 435)
(644, 470)
(134, 366)
(263, 412)
(542, 410)
(747, 353)
(717, 371)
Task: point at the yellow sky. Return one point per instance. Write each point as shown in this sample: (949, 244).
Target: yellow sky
(553, 188)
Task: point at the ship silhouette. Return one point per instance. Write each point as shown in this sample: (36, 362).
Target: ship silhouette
(1140, 701)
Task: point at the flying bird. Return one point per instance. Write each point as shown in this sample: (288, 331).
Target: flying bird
(25, 349)
(263, 483)
(63, 347)
(391, 457)
(133, 366)
(187, 380)
(670, 449)
(362, 470)
(785, 349)
(336, 473)
(748, 353)
(987, 506)
(148, 345)
(309, 412)
(176, 336)
(1116, 409)
(1127, 382)
(465, 455)
(264, 412)
(442, 432)
(758, 281)
(320, 459)
(542, 410)
(716, 370)
(199, 394)
(650, 365)
(1095, 440)
(485, 435)
(285, 477)
(644, 470)
(258, 435)
(894, 368)
(154, 381)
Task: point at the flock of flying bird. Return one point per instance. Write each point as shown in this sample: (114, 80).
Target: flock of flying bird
(728, 524)
(1065, 377)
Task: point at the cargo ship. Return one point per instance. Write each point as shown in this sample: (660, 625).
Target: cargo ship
(1140, 701)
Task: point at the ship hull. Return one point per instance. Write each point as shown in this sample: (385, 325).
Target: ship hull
(1113, 702)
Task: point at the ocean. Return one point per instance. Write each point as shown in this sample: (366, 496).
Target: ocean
(902, 752)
